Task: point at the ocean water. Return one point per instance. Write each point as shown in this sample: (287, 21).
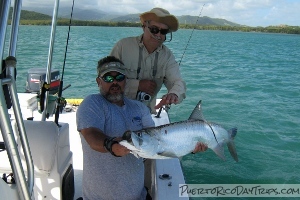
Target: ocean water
(246, 80)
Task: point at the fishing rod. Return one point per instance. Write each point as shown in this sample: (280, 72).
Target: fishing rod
(191, 34)
(61, 101)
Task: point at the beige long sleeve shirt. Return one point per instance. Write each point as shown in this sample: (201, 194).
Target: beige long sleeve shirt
(159, 66)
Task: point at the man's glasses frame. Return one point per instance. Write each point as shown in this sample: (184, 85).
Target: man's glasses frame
(155, 30)
(109, 78)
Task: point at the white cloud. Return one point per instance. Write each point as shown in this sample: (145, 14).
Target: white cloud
(247, 12)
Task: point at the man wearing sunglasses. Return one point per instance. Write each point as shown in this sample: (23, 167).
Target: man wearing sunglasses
(149, 63)
(102, 119)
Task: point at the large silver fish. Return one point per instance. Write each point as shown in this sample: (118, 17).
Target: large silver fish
(177, 139)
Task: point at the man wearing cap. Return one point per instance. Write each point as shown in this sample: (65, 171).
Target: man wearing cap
(149, 63)
(109, 170)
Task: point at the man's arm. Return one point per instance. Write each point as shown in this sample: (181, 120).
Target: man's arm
(174, 83)
(95, 138)
(173, 80)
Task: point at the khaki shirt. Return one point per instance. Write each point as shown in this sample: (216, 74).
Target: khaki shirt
(130, 50)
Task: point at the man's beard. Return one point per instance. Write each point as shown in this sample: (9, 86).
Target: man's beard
(113, 98)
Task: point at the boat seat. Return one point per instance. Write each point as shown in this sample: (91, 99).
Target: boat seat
(47, 141)
(52, 159)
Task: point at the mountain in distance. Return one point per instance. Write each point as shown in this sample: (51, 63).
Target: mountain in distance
(187, 19)
(184, 19)
(78, 13)
(31, 15)
(92, 15)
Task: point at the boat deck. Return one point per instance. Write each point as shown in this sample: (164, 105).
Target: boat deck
(161, 188)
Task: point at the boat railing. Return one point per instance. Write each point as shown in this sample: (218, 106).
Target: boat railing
(8, 98)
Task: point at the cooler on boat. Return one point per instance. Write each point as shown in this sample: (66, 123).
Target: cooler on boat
(36, 77)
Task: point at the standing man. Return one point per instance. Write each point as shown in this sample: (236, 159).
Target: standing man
(149, 63)
(109, 171)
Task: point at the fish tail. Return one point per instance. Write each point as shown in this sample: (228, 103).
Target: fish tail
(230, 144)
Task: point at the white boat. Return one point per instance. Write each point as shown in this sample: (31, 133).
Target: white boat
(41, 159)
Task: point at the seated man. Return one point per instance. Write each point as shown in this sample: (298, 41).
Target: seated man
(109, 171)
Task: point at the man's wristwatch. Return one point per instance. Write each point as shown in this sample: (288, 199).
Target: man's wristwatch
(108, 143)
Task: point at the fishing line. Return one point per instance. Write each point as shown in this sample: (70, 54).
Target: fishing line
(191, 34)
(61, 101)
(211, 130)
(159, 112)
(68, 37)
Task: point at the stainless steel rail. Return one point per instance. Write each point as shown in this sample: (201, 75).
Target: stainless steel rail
(4, 10)
(11, 66)
(25, 188)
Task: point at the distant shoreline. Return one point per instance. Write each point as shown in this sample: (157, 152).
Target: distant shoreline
(270, 29)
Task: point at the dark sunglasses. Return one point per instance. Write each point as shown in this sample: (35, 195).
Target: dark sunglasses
(156, 30)
(110, 79)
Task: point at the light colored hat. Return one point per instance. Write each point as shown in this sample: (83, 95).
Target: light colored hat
(110, 67)
(161, 15)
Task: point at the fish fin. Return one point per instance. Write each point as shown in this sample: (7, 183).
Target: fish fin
(231, 146)
(167, 154)
(197, 113)
(219, 150)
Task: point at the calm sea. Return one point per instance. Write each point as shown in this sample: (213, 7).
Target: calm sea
(246, 80)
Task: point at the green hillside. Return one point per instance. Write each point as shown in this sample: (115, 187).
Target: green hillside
(186, 22)
(184, 19)
(132, 18)
(31, 15)
(187, 19)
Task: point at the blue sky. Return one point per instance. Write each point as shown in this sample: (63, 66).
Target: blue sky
(245, 12)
